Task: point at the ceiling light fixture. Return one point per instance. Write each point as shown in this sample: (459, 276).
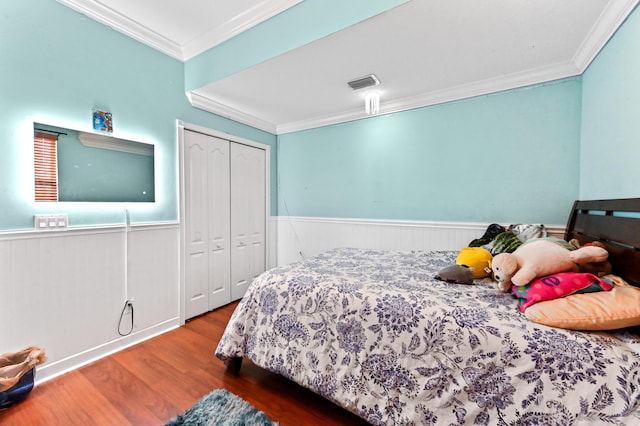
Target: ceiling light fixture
(372, 103)
(371, 98)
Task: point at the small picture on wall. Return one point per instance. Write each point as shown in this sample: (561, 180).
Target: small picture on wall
(102, 121)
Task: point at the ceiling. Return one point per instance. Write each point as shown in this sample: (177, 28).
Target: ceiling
(424, 52)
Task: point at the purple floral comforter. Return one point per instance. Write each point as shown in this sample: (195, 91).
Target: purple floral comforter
(373, 331)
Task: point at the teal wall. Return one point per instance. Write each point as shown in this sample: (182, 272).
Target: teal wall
(515, 156)
(610, 149)
(57, 66)
(508, 157)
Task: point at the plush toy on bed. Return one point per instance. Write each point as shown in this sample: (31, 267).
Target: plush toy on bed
(457, 274)
(538, 258)
(477, 259)
(599, 269)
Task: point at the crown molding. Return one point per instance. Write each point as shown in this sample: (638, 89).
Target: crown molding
(327, 120)
(478, 88)
(127, 26)
(236, 25)
(107, 16)
(607, 24)
(216, 107)
(483, 87)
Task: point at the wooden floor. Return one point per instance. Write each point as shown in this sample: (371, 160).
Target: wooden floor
(152, 382)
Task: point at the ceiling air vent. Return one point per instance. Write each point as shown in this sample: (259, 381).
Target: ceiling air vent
(361, 83)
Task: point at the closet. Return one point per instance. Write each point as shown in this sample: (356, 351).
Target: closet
(224, 219)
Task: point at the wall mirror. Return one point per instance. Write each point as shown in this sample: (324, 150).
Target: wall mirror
(72, 165)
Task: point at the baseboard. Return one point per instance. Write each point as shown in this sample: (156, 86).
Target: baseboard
(49, 371)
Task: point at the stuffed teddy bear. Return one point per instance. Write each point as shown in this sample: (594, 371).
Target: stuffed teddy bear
(538, 258)
(598, 269)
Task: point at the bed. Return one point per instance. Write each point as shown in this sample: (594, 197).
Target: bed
(375, 333)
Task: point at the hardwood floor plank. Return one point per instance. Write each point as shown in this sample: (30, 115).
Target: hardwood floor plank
(148, 367)
(191, 350)
(152, 382)
(139, 402)
(74, 401)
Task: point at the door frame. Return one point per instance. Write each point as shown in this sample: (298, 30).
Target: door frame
(182, 126)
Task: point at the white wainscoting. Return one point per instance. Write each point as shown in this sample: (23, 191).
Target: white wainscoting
(272, 242)
(299, 237)
(64, 291)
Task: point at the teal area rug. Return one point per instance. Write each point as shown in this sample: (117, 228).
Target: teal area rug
(222, 408)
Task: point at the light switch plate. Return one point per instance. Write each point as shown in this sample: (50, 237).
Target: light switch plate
(41, 223)
(49, 222)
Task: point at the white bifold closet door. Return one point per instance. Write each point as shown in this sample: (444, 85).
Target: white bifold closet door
(247, 217)
(224, 220)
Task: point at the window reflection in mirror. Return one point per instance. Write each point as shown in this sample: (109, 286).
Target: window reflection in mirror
(72, 165)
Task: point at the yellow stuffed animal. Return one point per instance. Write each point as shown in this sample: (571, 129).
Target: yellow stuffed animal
(477, 259)
(540, 258)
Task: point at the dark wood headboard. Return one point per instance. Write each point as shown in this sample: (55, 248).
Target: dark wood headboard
(616, 223)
